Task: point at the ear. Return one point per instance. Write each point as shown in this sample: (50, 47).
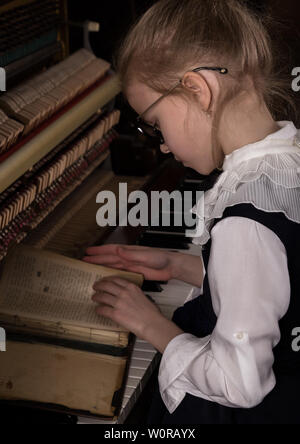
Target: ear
(197, 84)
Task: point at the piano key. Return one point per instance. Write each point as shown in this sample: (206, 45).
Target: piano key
(139, 364)
(129, 392)
(144, 355)
(149, 234)
(143, 345)
(132, 382)
(151, 286)
(137, 373)
(164, 243)
(171, 229)
(192, 249)
(168, 230)
(167, 311)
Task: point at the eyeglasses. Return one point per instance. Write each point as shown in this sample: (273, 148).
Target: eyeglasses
(152, 131)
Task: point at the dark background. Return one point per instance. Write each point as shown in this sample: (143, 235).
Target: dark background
(116, 16)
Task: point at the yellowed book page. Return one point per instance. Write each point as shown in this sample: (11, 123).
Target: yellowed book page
(41, 285)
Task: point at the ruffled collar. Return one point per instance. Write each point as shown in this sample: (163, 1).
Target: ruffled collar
(286, 139)
(253, 174)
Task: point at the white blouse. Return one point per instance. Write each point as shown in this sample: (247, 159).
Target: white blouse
(248, 278)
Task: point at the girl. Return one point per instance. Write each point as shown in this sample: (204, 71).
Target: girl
(200, 75)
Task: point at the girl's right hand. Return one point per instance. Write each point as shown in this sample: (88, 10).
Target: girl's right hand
(153, 263)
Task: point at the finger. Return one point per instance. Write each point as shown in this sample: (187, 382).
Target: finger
(112, 248)
(108, 286)
(145, 271)
(124, 283)
(133, 255)
(103, 259)
(105, 298)
(135, 247)
(106, 311)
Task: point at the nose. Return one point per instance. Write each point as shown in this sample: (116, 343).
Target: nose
(164, 149)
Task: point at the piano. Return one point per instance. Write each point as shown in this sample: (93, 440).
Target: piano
(58, 119)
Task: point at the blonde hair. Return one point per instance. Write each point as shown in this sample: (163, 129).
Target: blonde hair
(175, 36)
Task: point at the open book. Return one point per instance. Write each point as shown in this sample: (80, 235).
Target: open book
(48, 295)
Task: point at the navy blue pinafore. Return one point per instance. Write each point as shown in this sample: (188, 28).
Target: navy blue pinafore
(197, 317)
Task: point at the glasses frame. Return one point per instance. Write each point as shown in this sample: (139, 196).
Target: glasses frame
(140, 123)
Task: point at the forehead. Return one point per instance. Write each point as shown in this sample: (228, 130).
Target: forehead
(140, 96)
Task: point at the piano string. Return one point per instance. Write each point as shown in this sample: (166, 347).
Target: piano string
(36, 100)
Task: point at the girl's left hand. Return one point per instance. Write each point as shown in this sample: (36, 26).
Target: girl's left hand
(125, 303)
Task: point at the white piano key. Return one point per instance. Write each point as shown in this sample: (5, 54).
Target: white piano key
(173, 295)
(136, 373)
(167, 311)
(196, 250)
(82, 420)
(143, 345)
(129, 392)
(165, 232)
(132, 382)
(139, 363)
(144, 355)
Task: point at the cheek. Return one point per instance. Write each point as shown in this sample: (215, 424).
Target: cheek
(200, 134)
(187, 134)
(178, 132)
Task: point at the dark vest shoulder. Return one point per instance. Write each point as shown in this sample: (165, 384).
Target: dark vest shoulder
(284, 228)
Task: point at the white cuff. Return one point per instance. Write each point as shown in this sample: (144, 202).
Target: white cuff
(179, 353)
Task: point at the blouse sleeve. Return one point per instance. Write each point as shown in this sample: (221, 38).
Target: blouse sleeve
(250, 289)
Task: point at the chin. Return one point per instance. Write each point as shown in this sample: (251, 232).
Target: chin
(203, 171)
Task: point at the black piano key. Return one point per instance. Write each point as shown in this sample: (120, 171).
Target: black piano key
(172, 237)
(152, 286)
(172, 211)
(171, 229)
(167, 243)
